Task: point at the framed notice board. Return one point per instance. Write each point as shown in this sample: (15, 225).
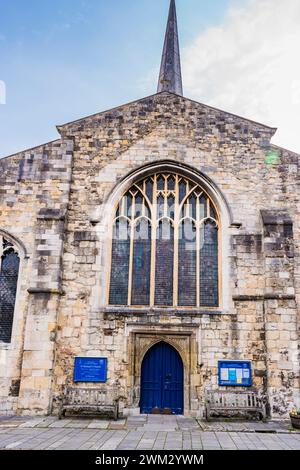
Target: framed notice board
(235, 373)
(90, 369)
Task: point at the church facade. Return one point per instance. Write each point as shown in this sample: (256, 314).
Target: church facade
(162, 236)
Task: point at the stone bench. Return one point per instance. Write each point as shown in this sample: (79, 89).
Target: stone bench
(234, 404)
(102, 401)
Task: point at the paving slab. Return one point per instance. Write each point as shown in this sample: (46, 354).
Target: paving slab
(78, 423)
(117, 425)
(62, 423)
(99, 424)
(32, 423)
(145, 433)
(47, 421)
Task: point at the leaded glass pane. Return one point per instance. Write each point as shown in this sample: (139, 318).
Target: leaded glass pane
(164, 264)
(8, 289)
(209, 276)
(213, 213)
(187, 265)
(149, 190)
(160, 207)
(141, 264)
(161, 183)
(6, 243)
(138, 206)
(203, 207)
(171, 202)
(147, 210)
(120, 264)
(182, 190)
(171, 183)
(193, 202)
(128, 205)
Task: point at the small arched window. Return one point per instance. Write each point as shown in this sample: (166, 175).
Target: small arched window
(9, 272)
(165, 245)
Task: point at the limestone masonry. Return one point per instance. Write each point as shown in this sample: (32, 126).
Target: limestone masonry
(57, 204)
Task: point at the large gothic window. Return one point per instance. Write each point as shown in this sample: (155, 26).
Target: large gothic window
(165, 245)
(9, 271)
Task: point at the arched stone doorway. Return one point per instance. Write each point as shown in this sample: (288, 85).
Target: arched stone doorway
(162, 381)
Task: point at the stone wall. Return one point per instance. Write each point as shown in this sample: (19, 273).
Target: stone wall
(34, 188)
(250, 181)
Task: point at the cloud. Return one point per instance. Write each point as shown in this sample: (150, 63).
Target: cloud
(249, 65)
(145, 83)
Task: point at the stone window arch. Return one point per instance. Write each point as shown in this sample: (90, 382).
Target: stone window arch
(9, 275)
(166, 245)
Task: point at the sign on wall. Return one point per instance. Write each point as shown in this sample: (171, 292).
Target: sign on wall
(90, 369)
(235, 373)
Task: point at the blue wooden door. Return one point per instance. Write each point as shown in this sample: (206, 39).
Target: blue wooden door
(162, 381)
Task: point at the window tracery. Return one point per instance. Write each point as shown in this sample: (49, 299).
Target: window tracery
(165, 245)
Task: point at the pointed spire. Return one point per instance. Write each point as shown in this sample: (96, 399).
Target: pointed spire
(170, 71)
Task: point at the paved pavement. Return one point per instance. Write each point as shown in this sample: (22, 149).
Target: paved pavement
(145, 433)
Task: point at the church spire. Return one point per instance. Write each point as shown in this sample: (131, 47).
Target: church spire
(170, 70)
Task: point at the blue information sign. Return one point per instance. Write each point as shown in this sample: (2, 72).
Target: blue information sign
(90, 369)
(235, 373)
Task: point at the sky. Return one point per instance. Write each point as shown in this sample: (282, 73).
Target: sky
(61, 60)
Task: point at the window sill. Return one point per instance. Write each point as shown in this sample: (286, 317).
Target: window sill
(5, 346)
(171, 311)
